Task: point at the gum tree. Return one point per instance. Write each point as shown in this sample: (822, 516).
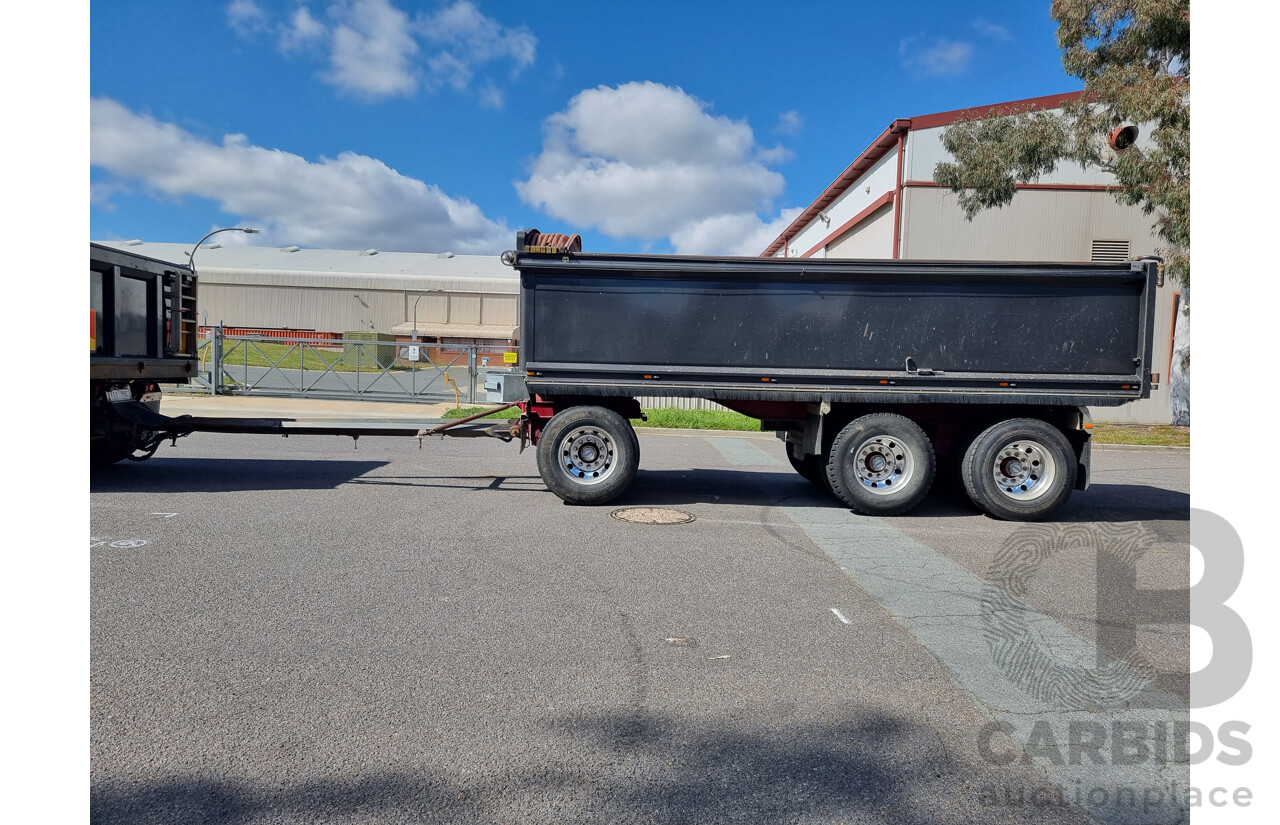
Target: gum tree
(1134, 57)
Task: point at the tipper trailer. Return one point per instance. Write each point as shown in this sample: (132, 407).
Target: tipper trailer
(870, 370)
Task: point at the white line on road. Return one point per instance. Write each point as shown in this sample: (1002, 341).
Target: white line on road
(840, 615)
(742, 453)
(752, 523)
(941, 604)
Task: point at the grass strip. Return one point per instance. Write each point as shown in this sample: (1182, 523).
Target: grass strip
(1151, 435)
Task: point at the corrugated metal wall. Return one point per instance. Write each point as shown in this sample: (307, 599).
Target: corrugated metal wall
(873, 238)
(1040, 225)
(343, 310)
(1044, 225)
(925, 151)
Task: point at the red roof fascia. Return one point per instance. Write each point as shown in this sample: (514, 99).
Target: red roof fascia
(1029, 104)
(879, 148)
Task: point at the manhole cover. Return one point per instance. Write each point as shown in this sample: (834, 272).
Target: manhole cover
(652, 515)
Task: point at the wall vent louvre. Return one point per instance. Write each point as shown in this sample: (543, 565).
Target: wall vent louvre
(1109, 252)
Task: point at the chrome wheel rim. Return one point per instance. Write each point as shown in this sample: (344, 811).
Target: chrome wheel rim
(1024, 470)
(587, 455)
(883, 465)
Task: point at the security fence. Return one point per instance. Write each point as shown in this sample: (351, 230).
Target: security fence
(318, 365)
(327, 367)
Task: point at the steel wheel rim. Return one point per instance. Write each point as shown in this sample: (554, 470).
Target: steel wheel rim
(587, 455)
(1024, 470)
(882, 465)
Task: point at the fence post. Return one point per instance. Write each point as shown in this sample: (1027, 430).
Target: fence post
(216, 357)
(471, 374)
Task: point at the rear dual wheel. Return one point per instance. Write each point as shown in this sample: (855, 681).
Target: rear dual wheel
(881, 464)
(1022, 469)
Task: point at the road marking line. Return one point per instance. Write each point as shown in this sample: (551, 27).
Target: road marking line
(840, 616)
(742, 453)
(941, 604)
(782, 524)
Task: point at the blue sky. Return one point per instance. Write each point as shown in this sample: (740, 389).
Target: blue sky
(449, 124)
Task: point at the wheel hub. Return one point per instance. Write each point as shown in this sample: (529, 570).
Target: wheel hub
(882, 464)
(1024, 470)
(587, 455)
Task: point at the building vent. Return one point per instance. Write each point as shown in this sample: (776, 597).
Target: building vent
(289, 249)
(1109, 252)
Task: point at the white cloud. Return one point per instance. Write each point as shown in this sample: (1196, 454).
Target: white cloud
(491, 96)
(451, 71)
(472, 39)
(246, 17)
(100, 195)
(376, 51)
(349, 202)
(372, 50)
(647, 161)
(744, 234)
(789, 123)
(778, 154)
(938, 58)
(302, 30)
(993, 30)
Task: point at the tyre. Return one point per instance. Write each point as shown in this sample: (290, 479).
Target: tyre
(588, 455)
(104, 453)
(812, 468)
(881, 464)
(1019, 470)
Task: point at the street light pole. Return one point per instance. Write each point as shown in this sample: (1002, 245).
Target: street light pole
(191, 256)
(216, 366)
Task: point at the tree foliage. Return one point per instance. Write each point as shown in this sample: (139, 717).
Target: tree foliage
(1134, 57)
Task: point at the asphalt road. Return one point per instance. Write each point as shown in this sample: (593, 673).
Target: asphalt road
(293, 630)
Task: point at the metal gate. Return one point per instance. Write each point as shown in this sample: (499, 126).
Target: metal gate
(347, 368)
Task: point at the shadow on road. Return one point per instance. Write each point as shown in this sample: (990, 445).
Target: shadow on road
(632, 765)
(225, 475)
(947, 499)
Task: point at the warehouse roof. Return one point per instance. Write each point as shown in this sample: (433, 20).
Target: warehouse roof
(335, 268)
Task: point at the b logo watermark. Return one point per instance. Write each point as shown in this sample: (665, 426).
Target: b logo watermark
(1097, 719)
(1048, 671)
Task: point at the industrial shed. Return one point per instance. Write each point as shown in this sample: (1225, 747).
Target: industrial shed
(886, 205)
(460, 299)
